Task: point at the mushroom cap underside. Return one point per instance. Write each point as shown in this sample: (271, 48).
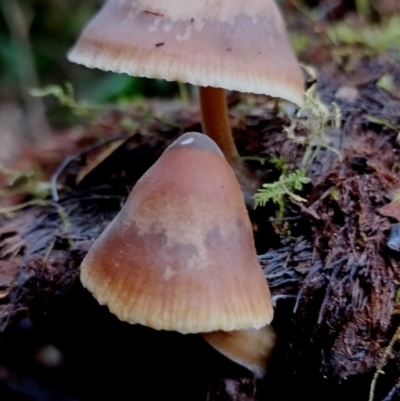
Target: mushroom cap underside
(227, 44)
(251, 348)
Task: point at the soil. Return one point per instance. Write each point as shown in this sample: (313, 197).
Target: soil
(332, 262)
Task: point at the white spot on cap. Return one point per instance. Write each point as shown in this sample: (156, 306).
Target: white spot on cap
(169, 273)
(186, 35)
(187, 141)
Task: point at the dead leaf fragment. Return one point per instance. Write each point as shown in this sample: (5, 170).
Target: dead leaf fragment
(8, 274)
(392, 209)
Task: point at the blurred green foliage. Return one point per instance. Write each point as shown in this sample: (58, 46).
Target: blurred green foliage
(374, 37)
(35, 36)
(52, 27)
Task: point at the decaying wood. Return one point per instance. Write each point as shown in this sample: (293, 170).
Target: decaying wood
(334, 282)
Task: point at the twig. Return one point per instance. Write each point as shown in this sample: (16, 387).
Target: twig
(16, 208)
(382, 363)
(69, 159)
(56, 174)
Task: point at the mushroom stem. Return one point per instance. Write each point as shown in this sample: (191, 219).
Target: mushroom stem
(214, 110)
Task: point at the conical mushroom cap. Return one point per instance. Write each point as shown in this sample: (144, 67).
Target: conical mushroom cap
(180, 254)
(232, 44)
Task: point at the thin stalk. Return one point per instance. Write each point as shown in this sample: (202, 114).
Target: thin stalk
(214, 110)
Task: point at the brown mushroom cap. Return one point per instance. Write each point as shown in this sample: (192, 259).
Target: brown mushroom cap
(251, 348)
(180, 254)
(232, 44)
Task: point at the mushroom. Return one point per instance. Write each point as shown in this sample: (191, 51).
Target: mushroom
(180, 254)
(215, 44)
